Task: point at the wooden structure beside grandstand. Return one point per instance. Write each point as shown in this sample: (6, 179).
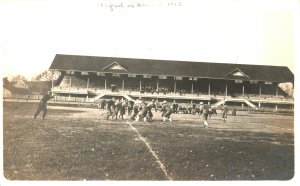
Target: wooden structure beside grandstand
(94, 77)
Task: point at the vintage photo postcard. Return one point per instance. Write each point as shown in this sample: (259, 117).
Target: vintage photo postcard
(148, 90)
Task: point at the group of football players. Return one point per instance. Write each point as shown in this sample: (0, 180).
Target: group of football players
(140, 110)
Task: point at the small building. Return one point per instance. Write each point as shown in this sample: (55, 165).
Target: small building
(6, 93)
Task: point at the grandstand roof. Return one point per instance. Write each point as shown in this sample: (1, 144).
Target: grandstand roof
(172, 68)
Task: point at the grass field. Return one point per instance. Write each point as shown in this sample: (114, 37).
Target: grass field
(78, 143)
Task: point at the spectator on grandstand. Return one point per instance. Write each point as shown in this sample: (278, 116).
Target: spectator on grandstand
(182, 92)
(152, 91)
(43, 105)
(114, 88)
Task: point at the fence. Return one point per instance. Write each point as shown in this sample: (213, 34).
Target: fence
(56, 99)
(85, 100)
(268, 110)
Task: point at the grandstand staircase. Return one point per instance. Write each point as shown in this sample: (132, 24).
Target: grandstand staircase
(114, 94)
(128, 97)
(249, 103)
(60, 78)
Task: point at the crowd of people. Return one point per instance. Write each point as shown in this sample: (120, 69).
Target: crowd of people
(164, 90)
(140, 110)
(137, 110)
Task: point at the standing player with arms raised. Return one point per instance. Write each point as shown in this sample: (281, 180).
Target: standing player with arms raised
(43, 105)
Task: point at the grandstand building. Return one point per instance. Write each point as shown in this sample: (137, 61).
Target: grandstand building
(181, 81)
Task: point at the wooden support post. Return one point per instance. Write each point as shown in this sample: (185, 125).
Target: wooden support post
(123, 83)
(105, 84)
(140, 84)
(174, 85)
(259, 91)
(87, 84)
(192, 90)
(243, 92)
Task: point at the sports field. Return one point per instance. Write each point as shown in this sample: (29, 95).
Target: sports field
(75, 143)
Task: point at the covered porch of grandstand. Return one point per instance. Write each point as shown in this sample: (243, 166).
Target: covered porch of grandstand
(96, 83)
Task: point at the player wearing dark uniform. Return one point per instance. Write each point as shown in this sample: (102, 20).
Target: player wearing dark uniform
(135, 108)
(175, 107)
(233, 113)
(193, 108)
(166, 111)
(143, 111)
(189, 109)
(214, 111)
(150, 106)
(110, 108)
(118, 108)
(130, 107)
(43, 105)
(205, 115)
(123, 109)
(201, 108)
(102, 104)
(224, 113)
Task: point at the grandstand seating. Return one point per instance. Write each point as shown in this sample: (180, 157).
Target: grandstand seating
(78, 84)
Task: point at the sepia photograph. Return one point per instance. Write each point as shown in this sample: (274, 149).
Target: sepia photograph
(148, 90)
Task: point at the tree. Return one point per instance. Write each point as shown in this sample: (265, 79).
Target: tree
(18, 78)
(6, 82)
(288, 88)
(47, 75)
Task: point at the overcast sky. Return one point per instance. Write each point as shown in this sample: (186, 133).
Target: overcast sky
(229, 31)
